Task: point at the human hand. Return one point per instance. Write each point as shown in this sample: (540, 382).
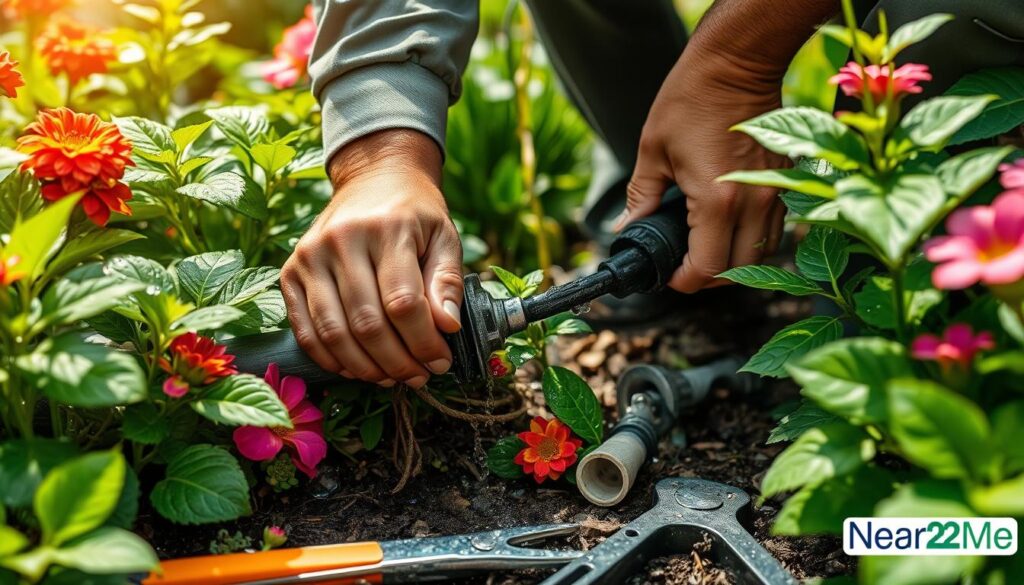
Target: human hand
(378, 276)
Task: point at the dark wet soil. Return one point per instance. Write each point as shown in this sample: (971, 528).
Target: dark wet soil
(722, 440)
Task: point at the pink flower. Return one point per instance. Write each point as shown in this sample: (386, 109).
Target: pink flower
(291, 55)
(958, 345)
(985, 243)
(1013, 174)
(274, 537)
(305, 440)
(853, 79)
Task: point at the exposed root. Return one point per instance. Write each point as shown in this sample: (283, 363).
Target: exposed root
(486, 418)
(406, 449)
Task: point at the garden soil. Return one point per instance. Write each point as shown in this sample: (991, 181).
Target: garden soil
(724, 441)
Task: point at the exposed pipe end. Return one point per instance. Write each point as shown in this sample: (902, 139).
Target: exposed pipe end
(607, 473)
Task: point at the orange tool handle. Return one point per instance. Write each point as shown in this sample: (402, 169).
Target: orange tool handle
(282, 562)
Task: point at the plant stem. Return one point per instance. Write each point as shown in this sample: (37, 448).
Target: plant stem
(899, 302)
(55, 419)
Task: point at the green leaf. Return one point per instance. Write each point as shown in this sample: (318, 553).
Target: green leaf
(144, 270)
(500, 458)
(264, 312)
(574, 403)
(24, 463)
(807, 132)
(108, 550)
(964, 173)
(520, 354)
(772, 278)
(566, 324)
(114, 327)
(1005, 498)
(874, 302)
(823, 254)
(513, 283)
(894, 216)
(800, 203)
(203, 484)
(243, 399)
(78, 373)
(78, 496)
(848, 377)
(819, 454)
(229, 190)
(127, 507)
(88, 246)
(912, 33)
(19, 200)
(792, 179)
(1008, 435)
(821, 508)
(931, 123)
(67, 302)
(184, 137)
(999, 116)
(202, 276)
(242, 125)
(272, 157)
(371, 430)
(792, 343)
(247, 284)
(1011, 323)
(142, 423)
(35, 240)
(807, 416)
(11, 541)
(192, 164)
(207, 318)
(939, 429)
(146, 136)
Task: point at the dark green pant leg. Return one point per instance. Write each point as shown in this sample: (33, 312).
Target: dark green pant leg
(611, 56)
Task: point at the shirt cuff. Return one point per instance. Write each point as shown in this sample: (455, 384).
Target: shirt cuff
(380, 97)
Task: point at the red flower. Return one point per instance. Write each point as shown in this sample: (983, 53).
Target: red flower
(9, 272)
(75, 50)
(550, 449)
(877, 79)
(195, 361)
(10, 78)
(958, 345)
(305, 440)
(291, 55)
(22, 9)
(70, 152)
(499, 364)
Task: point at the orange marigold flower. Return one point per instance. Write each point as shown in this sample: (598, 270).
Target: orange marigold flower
(71, 152)
(10, 78)
(550, 449)
(22, 9)
(75, 50)
(9, 272)
(195, 361)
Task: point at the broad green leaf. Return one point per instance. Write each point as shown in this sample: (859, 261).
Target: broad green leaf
(184, 137)
(1011, 323)
(229, 190)
(24, 463)
(926, 498)
(207, 318)
(821, 508)
(931, 123)
(819, 454)
(574, 403)
(500, 458)
(242, 399)
(142, 423)
(146, 136)
(144, 270)
(247, 284)
(894, 216)
(203, 484)
(202, 276)
(79, 373)
(772, 278)
(792, 343)
(127, 507)
(272, 157)
(963, 174)
(67, 302)
(792, 179)
(800, 203)
(823, 254)
(264, 312)
(78, 496)
(807, 416)
(566, 324)
(939, 429)
(114, 327)
(242, 125)
(1003, 114)
(1005, 498)
(371, 430)
(513, 283)
(848, 377)
(520, 354)
(19, 200)
(11, 541)
(108, 550)
(88, 246)
(137, 177)
(35, 240)
(192, 164)
(1008, 435)
(802, 131)
(912, 33)
(874, 302)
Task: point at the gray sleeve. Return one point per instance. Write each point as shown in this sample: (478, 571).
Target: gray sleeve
(379, 64)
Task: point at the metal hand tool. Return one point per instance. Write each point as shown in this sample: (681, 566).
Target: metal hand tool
(642, 259)
(413, 560)
(685, 510)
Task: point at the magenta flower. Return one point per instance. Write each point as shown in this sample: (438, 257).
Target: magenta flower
(985, 244)
(1012, 174)
(305, 441)
(274, 537)
(877, 79)
(958, 345)
(291, 55)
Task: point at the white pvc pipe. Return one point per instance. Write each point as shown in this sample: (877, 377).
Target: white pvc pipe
(606, 475)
